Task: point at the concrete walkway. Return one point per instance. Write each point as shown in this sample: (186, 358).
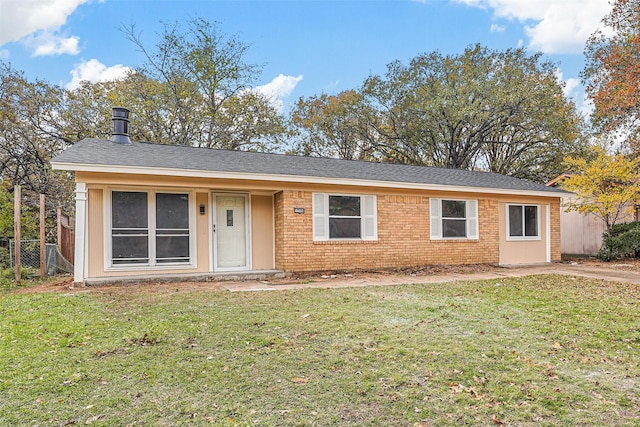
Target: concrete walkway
(608, 273)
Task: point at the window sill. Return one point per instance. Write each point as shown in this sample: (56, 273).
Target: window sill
(140, 267)
(455, 240)
(524, 239)
(344, 242)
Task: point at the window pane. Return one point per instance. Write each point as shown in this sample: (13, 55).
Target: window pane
(515, 221)
(344, 228)
(172, 248)
(531, 220)
(130, 249)
(344, 206)
(454, 228)
(129, 209)
(172, 227)
(172, 211)
(453, 209)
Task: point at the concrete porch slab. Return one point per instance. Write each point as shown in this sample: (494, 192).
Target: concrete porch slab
(235, 276)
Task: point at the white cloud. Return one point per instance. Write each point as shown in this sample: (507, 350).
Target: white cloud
(574, 90)
(95, 71)
(45, 43)
(495, 28)
(40, 19)
(279, 88)
(552, 26)
(570, 85)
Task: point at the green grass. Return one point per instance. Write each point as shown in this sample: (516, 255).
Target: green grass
(546, 350)
(29, 278)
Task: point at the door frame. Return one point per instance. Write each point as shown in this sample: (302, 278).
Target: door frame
(213, 261)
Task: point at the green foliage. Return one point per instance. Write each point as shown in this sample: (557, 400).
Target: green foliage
(502, 111)
(622, 241)
(332, 126)
(194, 89)
(8, 278)
(29, 129)
(5, 262)
(29, 217)
(605, 185)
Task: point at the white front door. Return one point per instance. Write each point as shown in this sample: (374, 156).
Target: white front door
(230, 232)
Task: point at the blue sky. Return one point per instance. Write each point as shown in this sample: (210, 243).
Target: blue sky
(308, 47)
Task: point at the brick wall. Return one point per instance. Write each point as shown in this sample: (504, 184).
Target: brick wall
(403, 237)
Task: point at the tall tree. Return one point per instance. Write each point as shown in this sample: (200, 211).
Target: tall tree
(29, 129)
(332, 126)
(607, 186)
(502, 111)
(194, 89)
(612, 72)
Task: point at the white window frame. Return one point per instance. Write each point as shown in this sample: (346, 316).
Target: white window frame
(151, 221)
(436, 220)
(508, 222)
(368, 217)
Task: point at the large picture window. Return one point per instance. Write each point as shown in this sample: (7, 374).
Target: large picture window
(338, 217)
(523, 222)
(453, 219)
(129, 228)
(172, 228)
(150, 228)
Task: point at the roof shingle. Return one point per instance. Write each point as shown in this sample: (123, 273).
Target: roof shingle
(98, 152)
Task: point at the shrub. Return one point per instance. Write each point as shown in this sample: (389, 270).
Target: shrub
(25, 273)
(4, 258)
(623, 241)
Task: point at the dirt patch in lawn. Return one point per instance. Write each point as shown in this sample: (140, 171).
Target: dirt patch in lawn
(629, 264)
(371, 277)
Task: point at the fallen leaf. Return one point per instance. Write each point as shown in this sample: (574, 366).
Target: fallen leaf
(299, 380)
(557, 345)
(496, 420)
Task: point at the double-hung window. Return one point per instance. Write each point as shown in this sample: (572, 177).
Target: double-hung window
(344, 217)
(523, 222)
(150, 228)
(453, 219)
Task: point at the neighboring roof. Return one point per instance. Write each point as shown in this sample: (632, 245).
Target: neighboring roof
(555, 182)
(95, 155)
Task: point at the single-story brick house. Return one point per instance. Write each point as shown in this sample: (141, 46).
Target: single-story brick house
(145, 209)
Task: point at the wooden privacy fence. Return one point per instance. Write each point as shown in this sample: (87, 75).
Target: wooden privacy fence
(66, 240)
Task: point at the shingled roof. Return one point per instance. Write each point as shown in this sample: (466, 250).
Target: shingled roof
(96, 155)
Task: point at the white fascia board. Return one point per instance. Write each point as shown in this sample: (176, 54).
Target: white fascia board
(145, 170)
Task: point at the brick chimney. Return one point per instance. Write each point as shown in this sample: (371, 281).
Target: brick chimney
(120, 119)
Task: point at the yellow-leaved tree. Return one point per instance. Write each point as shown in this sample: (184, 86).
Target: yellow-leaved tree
(607, 186)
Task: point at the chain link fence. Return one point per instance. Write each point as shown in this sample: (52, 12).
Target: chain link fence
(30, 257)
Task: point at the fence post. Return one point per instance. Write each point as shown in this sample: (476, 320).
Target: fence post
(59, 228)
(16, 230)
(42, 236)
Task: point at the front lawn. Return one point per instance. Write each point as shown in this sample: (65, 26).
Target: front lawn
(545, 350)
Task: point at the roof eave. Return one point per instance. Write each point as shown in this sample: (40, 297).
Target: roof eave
(195, 173)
